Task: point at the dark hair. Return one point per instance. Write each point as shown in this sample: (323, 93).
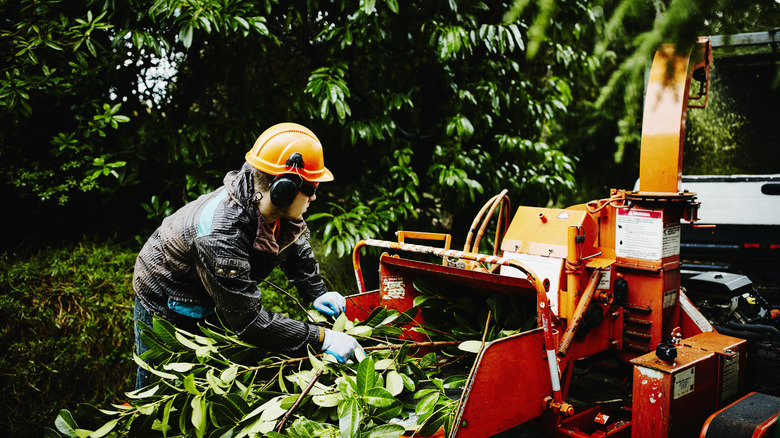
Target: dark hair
(262, 181)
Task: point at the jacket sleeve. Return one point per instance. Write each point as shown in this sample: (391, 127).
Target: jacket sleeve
(224, 270)
(301, 268)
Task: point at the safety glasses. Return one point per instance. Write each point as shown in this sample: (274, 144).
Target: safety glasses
(308, 190)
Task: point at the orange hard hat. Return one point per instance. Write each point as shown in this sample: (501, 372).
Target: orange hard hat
(289, 148)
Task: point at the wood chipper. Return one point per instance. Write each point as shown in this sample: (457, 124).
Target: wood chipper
(605, 280)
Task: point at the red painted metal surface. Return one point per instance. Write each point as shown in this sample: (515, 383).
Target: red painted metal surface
(594, 422)
(731, 361)
(500, 394)
(360, 305)
(674, 399)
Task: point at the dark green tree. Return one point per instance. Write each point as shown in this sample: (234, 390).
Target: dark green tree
(427, 109)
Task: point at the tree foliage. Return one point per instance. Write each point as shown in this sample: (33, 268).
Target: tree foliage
(426, 108)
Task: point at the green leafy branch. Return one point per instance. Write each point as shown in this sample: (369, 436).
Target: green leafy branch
(217, 385)
(329, 87)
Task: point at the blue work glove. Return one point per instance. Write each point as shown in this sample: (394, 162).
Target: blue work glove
(341, 346)
(330, 303)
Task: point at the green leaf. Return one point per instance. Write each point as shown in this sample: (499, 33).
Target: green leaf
(327, 400)
(377, 315)
(185, 413)
(419, 299)
(156, 348)
(427, 404)
(273, 406)
(390, 331)
(274, 409)
(259, 426)
(199, 417)
(280, 379)
(384, 364)
(456, 381)
(316, 364)
(408, 382)
(185, 35)
(366, 377)
(368, 6)
(164, 329)
(66, 424)
(105, 429)
(435, 421)
(394, 382)
(350, 416)
(379, 397)
(428, 360)
(225, 410)
(229, 374)
(143, 392)
(360, 330)
(417, 371)
(167, 416)
(179, 367)
(214, 383)
(50, 433)
(147, 409)
(152, 370)
(288, 401)
(393, 5)
(189, 384)
(341, 321)
(470, 346)
(386, 431)
(391, 412)
(186, 342)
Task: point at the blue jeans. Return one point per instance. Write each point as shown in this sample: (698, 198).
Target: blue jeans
(140, 314)
(181, 321)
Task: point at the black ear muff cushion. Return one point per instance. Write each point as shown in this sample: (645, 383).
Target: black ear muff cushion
(284, 189)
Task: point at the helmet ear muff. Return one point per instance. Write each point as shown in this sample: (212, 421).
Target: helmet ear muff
(285, 186)
(284, 189)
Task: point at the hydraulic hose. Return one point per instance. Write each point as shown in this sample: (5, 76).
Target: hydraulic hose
(773, 332)
(490, 205)
(742, 334)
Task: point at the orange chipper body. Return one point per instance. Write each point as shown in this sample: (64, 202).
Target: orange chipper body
(604, 280)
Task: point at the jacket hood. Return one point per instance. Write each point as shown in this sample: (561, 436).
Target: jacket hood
(240, 186)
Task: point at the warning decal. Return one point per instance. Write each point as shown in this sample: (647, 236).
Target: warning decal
(639, 234)
(671, 241)
(730, 377)
(548, 268)
(393, 288)
(684, 382)
(605, 277)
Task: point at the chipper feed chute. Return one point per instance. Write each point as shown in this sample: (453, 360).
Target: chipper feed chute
(514, 378)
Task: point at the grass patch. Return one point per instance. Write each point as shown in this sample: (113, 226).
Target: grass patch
(66, 338)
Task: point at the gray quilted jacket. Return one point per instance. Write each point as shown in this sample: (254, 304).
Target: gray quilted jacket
(209, 255)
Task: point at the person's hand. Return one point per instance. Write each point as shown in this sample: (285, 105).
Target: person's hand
(341, 346)
(330, 303)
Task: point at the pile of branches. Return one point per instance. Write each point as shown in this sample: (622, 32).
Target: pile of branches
(214, 384)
